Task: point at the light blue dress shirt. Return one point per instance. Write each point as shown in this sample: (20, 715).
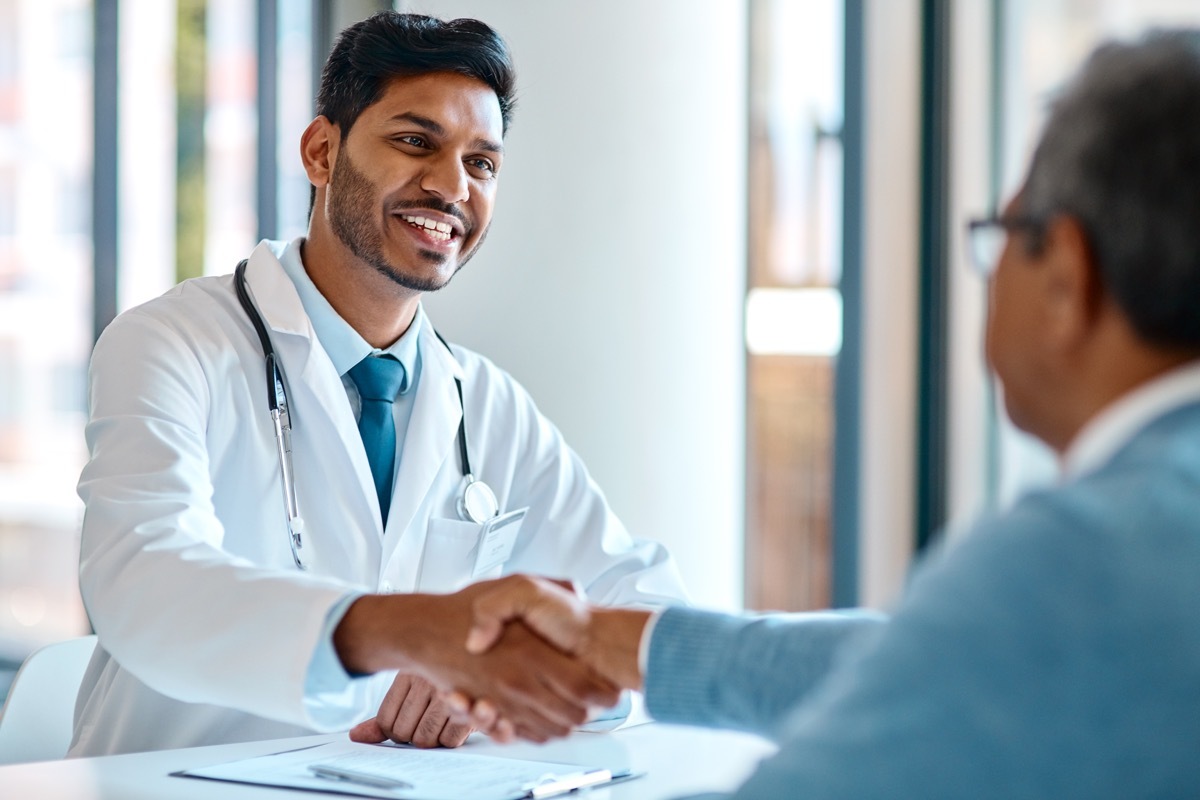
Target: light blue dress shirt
(346, 348)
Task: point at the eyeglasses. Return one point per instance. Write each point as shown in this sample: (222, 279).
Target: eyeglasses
(986, 238)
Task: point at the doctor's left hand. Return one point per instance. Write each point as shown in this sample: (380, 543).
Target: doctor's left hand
(413, 711)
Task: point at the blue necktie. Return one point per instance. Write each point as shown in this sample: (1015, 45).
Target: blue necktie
(379, 379)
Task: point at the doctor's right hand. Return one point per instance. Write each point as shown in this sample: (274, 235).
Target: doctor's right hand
(542, 691)
(606, 639)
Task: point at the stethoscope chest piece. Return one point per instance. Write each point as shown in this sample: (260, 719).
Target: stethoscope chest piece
(477, 502)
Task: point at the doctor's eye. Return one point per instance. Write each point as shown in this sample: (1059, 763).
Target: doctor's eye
(483, 167)
(412, 140)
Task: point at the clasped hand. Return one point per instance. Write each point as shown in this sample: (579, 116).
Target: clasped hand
(607, 640)
(517, 657)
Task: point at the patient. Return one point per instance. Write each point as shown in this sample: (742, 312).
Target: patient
(1055, 651)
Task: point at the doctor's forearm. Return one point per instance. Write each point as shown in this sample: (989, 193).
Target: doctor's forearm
(381, 632)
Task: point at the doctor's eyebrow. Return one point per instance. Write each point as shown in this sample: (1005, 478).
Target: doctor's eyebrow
(436, 128)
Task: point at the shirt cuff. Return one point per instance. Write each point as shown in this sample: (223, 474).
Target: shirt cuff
(606, 719)
(644, 644)
(325, 674)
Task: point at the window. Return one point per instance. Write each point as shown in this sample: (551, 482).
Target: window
(793, 306)
(45, 302)
(185, 188)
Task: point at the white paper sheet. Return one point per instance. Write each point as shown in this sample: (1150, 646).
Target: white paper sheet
(433, 774)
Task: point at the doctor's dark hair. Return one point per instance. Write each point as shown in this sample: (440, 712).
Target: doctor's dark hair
(369, 54)
(1121, 154)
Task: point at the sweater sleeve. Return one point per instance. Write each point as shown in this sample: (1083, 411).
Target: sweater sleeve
(717, 670)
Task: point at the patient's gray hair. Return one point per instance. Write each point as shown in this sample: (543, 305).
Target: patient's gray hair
(1121, 153)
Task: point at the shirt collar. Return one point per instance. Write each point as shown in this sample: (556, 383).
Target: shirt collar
(345, 346)
(1116, 424)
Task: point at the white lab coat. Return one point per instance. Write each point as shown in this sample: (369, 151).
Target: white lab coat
(206, 628)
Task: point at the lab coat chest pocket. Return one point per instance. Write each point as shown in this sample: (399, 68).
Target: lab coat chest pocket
(451, 548)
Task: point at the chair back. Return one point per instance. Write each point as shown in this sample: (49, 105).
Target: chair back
(39, 716)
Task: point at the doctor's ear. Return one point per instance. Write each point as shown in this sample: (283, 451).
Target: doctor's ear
(318, 150)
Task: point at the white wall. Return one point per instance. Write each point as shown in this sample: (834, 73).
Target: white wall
(890, 251)
(612, 281)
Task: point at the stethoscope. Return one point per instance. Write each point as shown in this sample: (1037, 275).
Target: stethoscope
(476, 502)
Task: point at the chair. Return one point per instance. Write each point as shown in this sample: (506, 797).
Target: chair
(39, 716)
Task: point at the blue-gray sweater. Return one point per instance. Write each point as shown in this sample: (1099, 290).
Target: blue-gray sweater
(1053, 653)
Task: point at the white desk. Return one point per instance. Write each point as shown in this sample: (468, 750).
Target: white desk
(677, 760)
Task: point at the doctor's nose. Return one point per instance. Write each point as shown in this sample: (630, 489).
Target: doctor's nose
(446, 177)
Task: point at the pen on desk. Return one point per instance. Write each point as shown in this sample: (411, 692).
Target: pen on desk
(569, 783)
(361, 778)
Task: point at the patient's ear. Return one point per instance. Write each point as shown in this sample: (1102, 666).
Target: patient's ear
(1072, 293)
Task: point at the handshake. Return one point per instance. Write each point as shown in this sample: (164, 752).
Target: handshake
(517, 657)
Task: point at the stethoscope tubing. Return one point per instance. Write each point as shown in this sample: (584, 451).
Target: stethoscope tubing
(477, 502)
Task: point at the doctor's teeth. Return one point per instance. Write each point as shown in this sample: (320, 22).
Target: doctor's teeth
(440, 230)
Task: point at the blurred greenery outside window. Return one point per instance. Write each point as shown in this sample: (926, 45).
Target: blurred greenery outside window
(187, 136)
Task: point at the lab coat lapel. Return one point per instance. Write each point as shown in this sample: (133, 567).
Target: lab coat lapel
(301, 355)
(430, 441)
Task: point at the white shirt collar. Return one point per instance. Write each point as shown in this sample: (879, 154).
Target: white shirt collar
(345, 346)
(1117, 423)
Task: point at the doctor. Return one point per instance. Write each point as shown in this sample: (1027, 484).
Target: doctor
(241, 591)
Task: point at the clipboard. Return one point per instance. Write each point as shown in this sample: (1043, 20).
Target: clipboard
(409, 773)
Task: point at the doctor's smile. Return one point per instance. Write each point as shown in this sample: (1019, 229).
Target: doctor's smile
(438, 232)
(442, 231)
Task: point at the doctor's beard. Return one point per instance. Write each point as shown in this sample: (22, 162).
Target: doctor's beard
(352, 200)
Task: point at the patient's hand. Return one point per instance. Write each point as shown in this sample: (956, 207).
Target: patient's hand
(605, 639)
